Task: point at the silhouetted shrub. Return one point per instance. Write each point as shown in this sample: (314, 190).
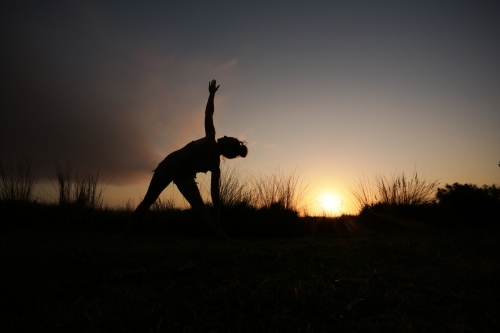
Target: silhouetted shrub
(469, 204)
(317, 225)
(426, 212)
(245, 220)
(278, 220)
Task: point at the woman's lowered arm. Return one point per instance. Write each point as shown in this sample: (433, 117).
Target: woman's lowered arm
(209, 111)
(214, 190)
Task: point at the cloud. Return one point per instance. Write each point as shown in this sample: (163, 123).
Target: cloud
(269, 146)
(94, 98)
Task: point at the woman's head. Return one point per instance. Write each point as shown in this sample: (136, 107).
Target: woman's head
(232, 147)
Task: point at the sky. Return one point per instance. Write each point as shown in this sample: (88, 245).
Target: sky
(330, 90)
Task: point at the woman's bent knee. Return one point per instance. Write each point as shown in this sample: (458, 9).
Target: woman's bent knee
(190, 191)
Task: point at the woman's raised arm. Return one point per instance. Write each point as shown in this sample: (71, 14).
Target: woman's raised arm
(209, 111)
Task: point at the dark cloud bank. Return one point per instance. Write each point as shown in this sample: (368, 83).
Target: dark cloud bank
(61, 102)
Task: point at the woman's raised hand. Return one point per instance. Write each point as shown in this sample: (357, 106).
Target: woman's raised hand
(212, 86)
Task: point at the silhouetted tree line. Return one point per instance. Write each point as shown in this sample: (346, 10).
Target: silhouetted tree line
(454, 205)
(469, 203)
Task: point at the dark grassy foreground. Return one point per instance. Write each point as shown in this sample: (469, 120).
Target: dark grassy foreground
(405, 280)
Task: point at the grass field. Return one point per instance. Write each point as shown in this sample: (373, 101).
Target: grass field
(413, 260)
(412, 279)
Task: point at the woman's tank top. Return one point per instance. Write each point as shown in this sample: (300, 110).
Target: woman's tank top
(188, 160)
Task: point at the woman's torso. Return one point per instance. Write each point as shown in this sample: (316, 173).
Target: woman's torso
(196, 156)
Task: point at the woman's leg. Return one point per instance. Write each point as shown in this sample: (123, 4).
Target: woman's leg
(156, 186)
(190, 191)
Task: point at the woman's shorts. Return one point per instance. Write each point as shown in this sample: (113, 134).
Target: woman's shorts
(171, 169)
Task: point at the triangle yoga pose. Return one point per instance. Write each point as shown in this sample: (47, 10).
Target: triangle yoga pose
(181, 166)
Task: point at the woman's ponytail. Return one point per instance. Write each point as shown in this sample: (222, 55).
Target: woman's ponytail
(242, 149)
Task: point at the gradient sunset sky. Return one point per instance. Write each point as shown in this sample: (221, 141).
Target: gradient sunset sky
(334, 89)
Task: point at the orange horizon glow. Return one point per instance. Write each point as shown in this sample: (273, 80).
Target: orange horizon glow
(328, 203)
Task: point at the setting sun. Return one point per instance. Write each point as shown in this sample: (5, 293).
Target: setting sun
(330, 203)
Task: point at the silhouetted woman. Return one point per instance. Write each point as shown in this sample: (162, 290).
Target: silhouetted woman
(182, 165)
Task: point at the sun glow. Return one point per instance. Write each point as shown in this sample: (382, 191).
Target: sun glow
(330, 203)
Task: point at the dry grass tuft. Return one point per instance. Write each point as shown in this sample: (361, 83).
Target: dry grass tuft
(18, 179)
(398, 190)
(280, 189)
(234, 188)
(277, 189)
(84, 189)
